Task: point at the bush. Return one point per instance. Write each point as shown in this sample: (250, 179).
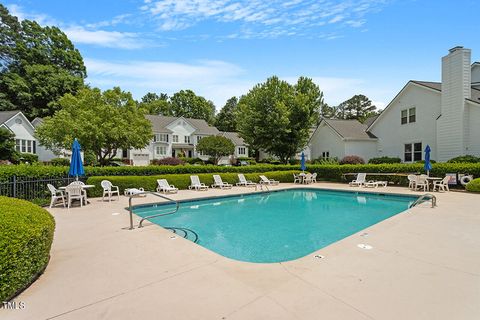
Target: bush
(192, 160)
(464, 159)
(248, 160)
(181, 181)
(90, 158)
(473, 186)
(381, 160)
(168, 162)
(60, 162)
(331, 161)
(25, 158)
(26, 236)
(352, 160)
(423, 161)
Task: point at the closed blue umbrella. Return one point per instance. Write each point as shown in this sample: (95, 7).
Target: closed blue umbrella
(76, 165)
(302, 162)
(427, 166)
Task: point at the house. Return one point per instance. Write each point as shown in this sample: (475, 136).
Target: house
(444, 115)
(43, 153)
(178, 137)
(20, 126)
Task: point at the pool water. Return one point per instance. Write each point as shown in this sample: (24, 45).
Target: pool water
(276, 226)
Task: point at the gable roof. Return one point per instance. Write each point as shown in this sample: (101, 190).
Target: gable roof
(7, 115)
(350, 129)
(234, 137)
(370, 120)
(37, 122)
(160, 123)
(474, 93)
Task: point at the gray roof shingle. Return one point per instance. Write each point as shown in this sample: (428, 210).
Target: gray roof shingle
(160, 123)
(6, 115)
(350, 129)
(474, 95)
(234, 137)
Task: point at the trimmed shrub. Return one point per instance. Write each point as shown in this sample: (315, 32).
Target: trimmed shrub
(60, 162)
(352, 160)
(464, 159)
(381, 160)
(181, 181)
(26, 236)
(331, 161)
(423, 161)
(25, 158)
(168, 161)
(473, 186)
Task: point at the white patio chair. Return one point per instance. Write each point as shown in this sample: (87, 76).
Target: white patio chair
(265, 180)
(421, 182)
(80, 183)
(56, 195)
(218, 182)
(314, 177)
(75, 192)
(109, 190)
(296, 178)
(164, 186)
(196, 184)
(442, 184)
(411, 181)
(308, 178)
(359, 181)
(244, 182)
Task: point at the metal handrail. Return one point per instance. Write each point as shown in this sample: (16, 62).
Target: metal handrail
(426, 196)
(154, 215)
(261, 186)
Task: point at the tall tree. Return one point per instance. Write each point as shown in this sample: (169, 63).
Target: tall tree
(357, 107)
(38, 66)
(186, 103)
(276, 117)
(216, 147)
(225, 119)
(156, 104)
(103, 122)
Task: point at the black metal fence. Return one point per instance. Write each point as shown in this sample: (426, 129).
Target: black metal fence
(35, 190)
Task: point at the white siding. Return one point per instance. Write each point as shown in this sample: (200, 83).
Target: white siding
(325, 139)
(392, 135)
(363, 148)
(474, 125)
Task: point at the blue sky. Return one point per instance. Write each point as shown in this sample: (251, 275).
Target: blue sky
(221, 48)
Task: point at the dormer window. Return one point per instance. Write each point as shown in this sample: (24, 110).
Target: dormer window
(408, 116)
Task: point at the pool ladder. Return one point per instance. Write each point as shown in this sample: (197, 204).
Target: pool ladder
(425, 197)
(130, 208)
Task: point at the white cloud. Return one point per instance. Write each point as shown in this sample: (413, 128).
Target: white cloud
(42, 19)
(109, 39)
(260, 17)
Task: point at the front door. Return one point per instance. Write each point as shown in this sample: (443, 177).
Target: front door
(189, 153)
(173, 153)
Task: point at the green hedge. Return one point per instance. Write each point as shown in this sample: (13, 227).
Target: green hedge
(26, 234)
(474, 185)
(181, 181)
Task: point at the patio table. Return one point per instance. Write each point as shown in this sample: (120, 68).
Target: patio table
(431, 180)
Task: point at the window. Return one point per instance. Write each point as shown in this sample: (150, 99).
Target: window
(124, 153)
(326, 155)
(161, 150)
(413, 152)
(199, 138)
(187, 139)
(241, 150)
(411, 115)
(175, 138)
(404, 116)
(160, 137)
(408, 116)
(27, 146)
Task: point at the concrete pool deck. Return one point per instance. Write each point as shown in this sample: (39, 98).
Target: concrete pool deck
(424, 264)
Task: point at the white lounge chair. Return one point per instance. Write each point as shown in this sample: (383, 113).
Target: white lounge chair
(375, 184)
(56, 195)
(442, 184)
(265, 180)
(109, 190)
(196, 184)
(218, 182)
(75, 192)
(359, 181)
(164, 186)
(244, 182)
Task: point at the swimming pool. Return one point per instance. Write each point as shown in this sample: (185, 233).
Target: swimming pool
(276, 226)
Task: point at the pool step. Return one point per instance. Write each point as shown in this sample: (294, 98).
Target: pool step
(185, 233)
